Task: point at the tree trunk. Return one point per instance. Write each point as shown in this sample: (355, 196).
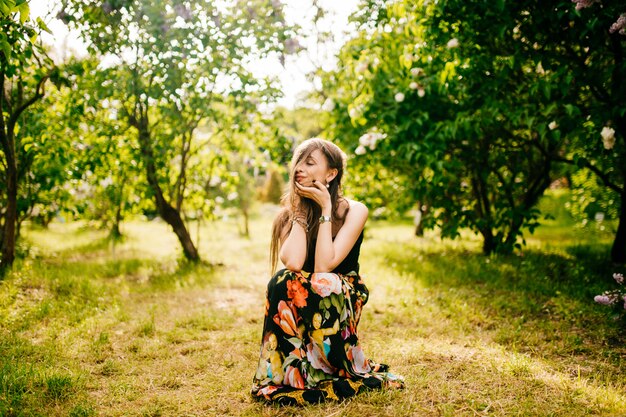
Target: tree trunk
(7, 138)
(10, 217)
(618, 251)
(166, 211)
(419, 218)
(489, 241)
(116, 233)
(246, 228)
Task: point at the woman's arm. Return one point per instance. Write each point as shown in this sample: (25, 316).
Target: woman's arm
(329, 253)
(293, 247)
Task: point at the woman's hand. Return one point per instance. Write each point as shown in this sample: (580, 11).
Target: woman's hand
(316, 192)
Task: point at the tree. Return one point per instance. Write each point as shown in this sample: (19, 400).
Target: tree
(177, 65)
(24, 72)
(475, 99)
(424, 107)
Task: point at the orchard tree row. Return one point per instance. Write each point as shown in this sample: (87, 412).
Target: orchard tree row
(162, 116)
(469, 109)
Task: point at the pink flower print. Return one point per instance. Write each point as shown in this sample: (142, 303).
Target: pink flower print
(360, 363)
(317, 358)
(326, 283)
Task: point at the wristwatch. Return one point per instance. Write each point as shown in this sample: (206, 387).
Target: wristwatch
(324, 219)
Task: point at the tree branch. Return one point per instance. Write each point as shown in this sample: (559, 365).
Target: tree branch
(39, 93)
(3, 132)
(604, 177)
(600, 93)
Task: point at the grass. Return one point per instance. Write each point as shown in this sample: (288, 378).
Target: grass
(91, 329)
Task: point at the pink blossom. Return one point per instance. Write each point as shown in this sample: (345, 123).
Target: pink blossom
(619, 26)
(619, 278)
(582, 4)
(603, 299)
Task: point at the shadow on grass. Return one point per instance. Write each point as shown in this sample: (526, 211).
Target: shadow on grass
(536, 302)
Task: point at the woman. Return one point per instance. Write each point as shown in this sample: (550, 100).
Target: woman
(310, 350)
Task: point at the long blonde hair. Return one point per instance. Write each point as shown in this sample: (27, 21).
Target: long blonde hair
(292, 202)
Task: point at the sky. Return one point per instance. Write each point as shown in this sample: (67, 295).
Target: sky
(292, 75)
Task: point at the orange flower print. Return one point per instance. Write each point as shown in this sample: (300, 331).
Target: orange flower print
(286, 319)
(297, 293)
(267, 391)
(293, 378)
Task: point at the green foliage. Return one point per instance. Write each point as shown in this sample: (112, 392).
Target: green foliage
(474, 102)
(183, 104)
(24, 71)
(591, 198)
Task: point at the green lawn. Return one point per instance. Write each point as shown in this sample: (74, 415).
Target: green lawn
(90, 329)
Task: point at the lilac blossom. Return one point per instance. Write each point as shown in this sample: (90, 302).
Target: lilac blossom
(603, 299)
(619, 26)
(582, 4)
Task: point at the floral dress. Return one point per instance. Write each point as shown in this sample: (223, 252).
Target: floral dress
(310, 350)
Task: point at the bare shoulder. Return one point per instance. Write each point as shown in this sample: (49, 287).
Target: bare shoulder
(357, 209)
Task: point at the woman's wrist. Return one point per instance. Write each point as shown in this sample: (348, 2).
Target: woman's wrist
(325, 219)
(326, 209)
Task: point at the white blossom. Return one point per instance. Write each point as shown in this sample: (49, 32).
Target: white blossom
(360, 150)
(413, 85)
(329, 105)
(553, 125)
(355, 112)
(232, 196)
(453, 43)
(365, 139)
(416, 71)
(215, 181)
(421, 92)
(106, 182)
(608, 137)
(370, 139)
(399, 97)
(361, 67)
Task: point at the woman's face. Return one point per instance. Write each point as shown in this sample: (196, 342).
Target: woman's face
(313, 167)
